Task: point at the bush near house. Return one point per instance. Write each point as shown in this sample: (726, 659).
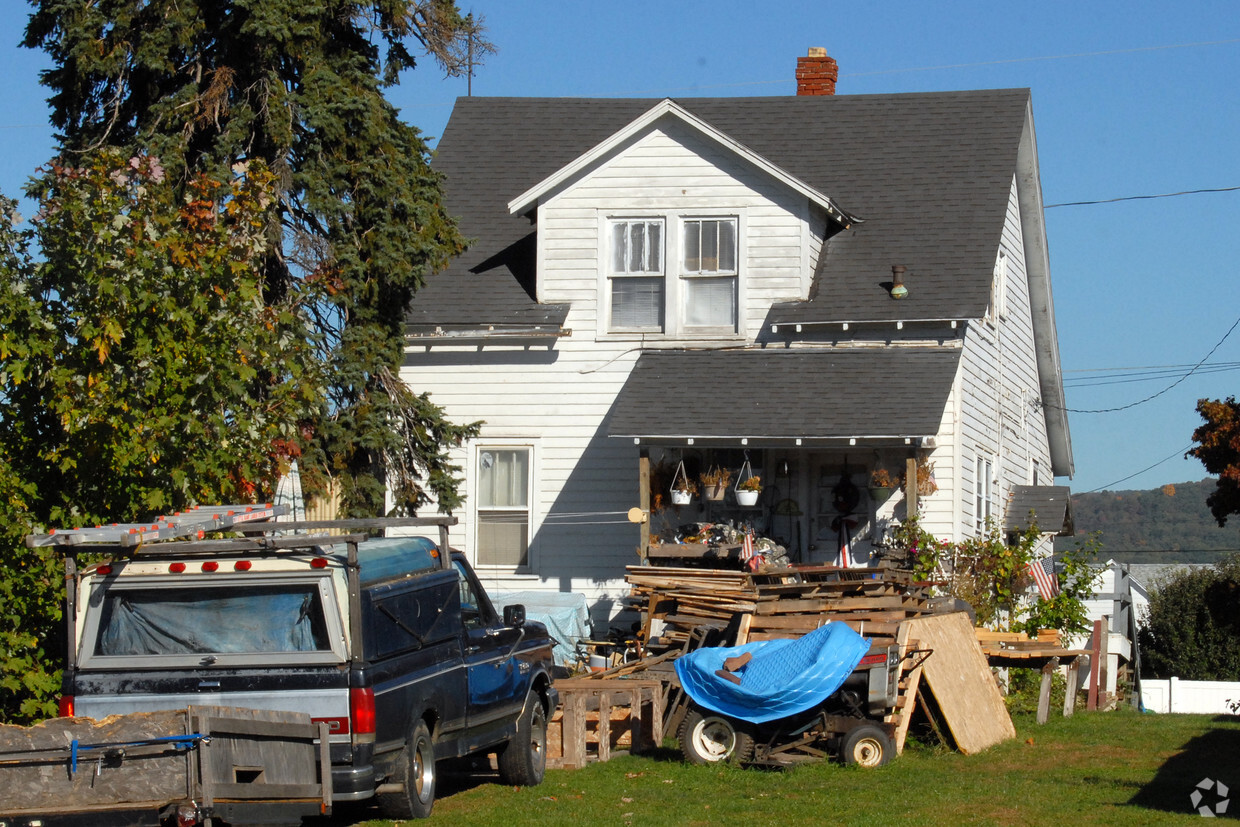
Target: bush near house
(1191, 629)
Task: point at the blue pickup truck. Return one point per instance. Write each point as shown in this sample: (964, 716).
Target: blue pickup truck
(392, 642)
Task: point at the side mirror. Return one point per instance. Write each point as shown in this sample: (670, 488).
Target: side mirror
(514, 615)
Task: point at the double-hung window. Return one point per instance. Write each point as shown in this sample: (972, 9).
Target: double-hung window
(983, 493)
(709, 274)
(637, 275)
(503, 499)
(673, 274)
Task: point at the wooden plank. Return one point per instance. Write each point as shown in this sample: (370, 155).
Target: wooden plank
(960, 679)
(1044, 691)
(742, 629)
(604, 726)
(1069, 698)
(911, 683)
(834, 604)
(574, 729)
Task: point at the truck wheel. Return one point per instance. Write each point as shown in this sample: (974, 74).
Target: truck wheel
(866, 746)
(707, 738)
(524, 760)
(417, 773)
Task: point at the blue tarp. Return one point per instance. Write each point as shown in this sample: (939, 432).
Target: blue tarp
(782, 678)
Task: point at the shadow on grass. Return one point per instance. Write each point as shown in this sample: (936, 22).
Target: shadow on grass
(1209, 757)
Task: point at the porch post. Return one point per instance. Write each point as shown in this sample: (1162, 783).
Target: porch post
(643, 488)
(910, 486)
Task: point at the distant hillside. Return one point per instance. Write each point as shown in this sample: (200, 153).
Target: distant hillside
(1173, 518)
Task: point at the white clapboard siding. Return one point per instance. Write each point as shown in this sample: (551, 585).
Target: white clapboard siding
(999, 388)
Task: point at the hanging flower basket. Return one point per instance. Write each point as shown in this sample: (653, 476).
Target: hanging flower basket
(715, 482)
(683, 488)
(882, 484)
(748, 487)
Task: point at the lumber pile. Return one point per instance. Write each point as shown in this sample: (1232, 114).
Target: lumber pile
(781, 602)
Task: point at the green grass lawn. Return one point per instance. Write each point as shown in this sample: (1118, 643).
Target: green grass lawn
(1094, 768)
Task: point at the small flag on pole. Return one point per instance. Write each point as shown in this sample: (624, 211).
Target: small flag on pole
(1043, 572)
(747, 547)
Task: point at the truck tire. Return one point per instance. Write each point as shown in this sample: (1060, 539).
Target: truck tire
(866, 746)
(707, 738)
(417, 773)
(523, 761)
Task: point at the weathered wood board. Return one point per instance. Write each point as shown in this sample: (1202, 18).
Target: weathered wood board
(47, 783)
(121, 763)
(959, 677)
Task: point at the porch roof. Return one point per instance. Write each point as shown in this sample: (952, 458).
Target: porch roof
(837, 394)
(1049, 505)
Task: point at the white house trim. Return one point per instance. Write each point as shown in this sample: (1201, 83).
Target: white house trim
(666, 107)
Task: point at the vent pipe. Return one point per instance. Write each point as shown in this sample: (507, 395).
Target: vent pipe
(898, 290)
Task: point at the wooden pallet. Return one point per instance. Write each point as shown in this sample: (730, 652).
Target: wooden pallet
(597, 718)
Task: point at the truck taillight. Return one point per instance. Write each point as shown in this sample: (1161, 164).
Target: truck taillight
(362, 710)
(65, 706)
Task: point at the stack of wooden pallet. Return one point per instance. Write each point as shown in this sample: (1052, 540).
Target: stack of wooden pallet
(776, 603)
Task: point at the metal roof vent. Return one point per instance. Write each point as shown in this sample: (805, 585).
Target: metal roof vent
(898, 290)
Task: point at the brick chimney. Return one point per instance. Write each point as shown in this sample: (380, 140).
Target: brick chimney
(817, 73)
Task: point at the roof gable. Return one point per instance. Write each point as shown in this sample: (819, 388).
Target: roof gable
(668, 108)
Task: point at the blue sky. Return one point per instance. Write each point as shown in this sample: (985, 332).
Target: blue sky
(1130, 99)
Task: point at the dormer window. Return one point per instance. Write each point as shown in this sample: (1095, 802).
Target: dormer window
(696, 294)
(637, 279)
(709, 274)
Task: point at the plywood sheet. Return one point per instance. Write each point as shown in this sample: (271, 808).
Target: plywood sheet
(960, 679)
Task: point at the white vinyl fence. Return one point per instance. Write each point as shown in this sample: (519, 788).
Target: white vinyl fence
(1202, 697)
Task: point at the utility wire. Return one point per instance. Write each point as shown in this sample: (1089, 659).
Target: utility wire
(1126, 376)
(1153, 396)
(1139, 197)
(1178, 453)
(940, 67)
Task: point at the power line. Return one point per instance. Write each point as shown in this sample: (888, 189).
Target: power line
(1051, 57)
(1153, 396)
(946, 66)
(1126, 376)
(1139, 197)
(1178, 453)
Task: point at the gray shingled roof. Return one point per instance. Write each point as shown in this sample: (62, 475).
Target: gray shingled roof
(930, 173)
(1051, 506)
(805, 393)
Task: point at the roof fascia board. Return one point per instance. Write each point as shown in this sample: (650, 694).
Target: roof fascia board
(667, 107)
(1041, 301)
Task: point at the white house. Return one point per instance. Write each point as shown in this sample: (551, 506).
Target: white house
(819, 286)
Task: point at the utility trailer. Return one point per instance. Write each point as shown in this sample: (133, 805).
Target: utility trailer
(180, 767)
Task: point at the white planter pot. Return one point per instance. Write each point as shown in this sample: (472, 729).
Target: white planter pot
(747, 498)
(681, 498)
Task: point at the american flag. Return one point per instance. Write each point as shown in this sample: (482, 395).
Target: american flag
(1043, 572)
(747, 547)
